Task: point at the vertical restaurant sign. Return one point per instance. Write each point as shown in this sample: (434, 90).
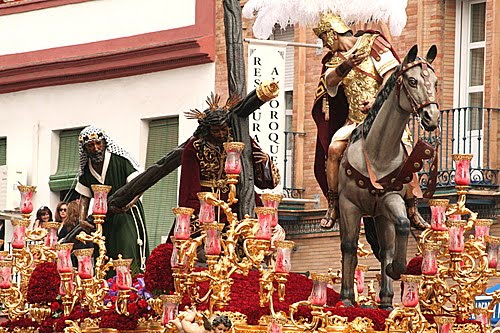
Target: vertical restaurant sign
(267, 124)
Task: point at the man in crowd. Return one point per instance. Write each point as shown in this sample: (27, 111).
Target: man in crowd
(354, 69)
(103, 162)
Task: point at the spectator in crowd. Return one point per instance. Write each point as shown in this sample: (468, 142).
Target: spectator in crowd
(71, 219)
(44, 214)
(61, 212)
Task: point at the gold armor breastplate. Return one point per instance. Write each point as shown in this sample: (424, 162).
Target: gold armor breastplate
(363, 82)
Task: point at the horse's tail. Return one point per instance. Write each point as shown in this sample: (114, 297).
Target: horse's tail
(371, 235)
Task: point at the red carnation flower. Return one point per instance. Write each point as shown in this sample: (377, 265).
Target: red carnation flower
(158, 276)
(43, 286)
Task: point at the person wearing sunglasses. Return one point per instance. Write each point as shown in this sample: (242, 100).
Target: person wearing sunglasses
(61, 212)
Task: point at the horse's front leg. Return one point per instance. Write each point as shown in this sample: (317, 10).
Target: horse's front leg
(394, 210)
(350, 218)
(385, 235)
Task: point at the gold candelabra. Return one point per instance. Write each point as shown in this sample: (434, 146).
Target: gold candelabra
(231, 247)
(455, 267)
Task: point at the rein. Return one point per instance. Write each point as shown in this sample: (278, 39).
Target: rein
(422, 150)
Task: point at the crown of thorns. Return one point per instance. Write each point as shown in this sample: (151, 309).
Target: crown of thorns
(213, 105)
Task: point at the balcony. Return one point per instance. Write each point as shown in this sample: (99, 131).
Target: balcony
(466, 130)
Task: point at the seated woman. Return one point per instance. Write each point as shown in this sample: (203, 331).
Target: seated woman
(186, 323)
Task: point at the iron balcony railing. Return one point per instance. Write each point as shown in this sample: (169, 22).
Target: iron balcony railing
(290, 190)
(465, 130)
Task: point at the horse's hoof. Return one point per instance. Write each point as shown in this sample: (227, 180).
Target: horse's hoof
(387, 307)
(389, 270)
(347, 302)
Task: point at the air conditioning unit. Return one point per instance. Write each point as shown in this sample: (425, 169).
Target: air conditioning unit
(10, 178)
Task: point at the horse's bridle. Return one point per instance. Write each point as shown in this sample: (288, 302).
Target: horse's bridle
(400, 85)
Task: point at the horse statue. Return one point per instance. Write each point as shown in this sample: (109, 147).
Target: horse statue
(375, 153)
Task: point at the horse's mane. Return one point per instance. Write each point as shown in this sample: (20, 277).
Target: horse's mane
(379, 101)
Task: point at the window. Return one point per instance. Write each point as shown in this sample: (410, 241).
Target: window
(472, 60)
(68, 162)
(287, 35)
(3, 151)
(162, 197)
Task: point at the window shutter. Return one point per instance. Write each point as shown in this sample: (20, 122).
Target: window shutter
(3, 151)
(287, 35)
(159, 199)
(68, 162)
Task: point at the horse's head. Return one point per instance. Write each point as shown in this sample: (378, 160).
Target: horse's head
(416, 87)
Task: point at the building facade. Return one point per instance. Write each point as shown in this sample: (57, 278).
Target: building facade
(130, 69)
(467, 35)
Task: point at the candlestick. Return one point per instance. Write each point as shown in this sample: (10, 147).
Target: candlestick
(462, 173)
(170, 307)
(207, 211)
(233, 161)
(318, 293)
(264, 215)
(100, 206)
(19, 233)
(123, 276)
(429, 258)
(409, 296)
(182, 228)
(272, 200)
(212, 241)
(456, 231)
(283, 256)
(359, 275)
(64, 264)
(51, 237)
(85, 266)
(438, 213)
(26, 205)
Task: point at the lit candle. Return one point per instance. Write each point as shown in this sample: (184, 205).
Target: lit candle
(64, 264)
(5, 273)
(318, 293)
(462, 163)
(182, 228)
(100, 199)
(212, 241)
(482, 228)
(233, 162)
(456, 232)
(207, 211)
(85, 266)
(264, 215)
(410, 290)
(444, 323)
(170, 307)
(492, 248)
(123, 276)
(483, 316)
(51, 237)
(19, 233)
(438, 213)
(359, 275)
(26, 205)
(272, 200)
(283, 256)
(429, 259)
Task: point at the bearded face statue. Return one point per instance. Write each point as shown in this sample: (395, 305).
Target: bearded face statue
(95, 150)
